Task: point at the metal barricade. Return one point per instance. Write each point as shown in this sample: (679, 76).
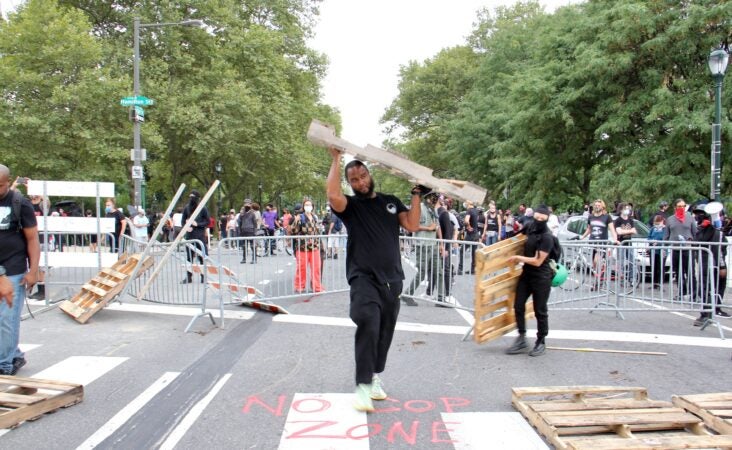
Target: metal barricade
(439, 271)
(640, 276)
(68, 260)
(279, 268)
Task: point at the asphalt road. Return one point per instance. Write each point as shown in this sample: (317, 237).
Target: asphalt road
(285, 381)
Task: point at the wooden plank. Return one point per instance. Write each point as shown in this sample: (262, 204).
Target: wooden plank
(323, 135)
(113, 273)
(671, 419)
(718, 419)
(17, 407)
(597, 405)
(104, 281)
(638, 392)
(653, 443)
(96, 290)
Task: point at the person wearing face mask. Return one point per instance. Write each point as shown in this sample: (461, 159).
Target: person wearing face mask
(140, 223)
(535, 281)
(716, 269)
(625, 229)
(492, 225)
(308, 248)
(120, 225)
(681, 227)
(655, 235)
(426, 252)
(197, 231)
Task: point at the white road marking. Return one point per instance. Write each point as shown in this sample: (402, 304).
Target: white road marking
(28, 347)
(80, 369)
(128, 411)
(579, 335)
(331, 420)
(472, 430)
(177, 434)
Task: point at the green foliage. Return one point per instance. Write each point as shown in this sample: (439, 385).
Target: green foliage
(608, 99)
(241, 92)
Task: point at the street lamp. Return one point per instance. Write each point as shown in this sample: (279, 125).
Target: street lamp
(718, 60)
(219, 168)
(137, 152)
(260, 193)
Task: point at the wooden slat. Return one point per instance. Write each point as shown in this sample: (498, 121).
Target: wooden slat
(114, 273)
(718, 418)
(104, 281)
(96, 290)
(672, 419)
(653, 443)
(597, 405)
(18, 406)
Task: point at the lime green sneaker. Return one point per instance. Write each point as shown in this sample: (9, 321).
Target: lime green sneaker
(377, 389)
(363, 398)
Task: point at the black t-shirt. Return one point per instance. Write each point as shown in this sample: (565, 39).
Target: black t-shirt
(599, 227)
(13, 246)
(539, 242)
(373, 237)
(473, 214)
(198, 231)
(491, 221)
(118, 219)
(446, 226)
(624, 224)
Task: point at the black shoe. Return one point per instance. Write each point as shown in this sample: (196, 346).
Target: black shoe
(17, 364)
(538, 350)
(243, 261)
(518, 346)
(253, 262)
(335, 256)
(40, 294)
(186, 281)
(723, 313)
(701, 320)
(409, 301)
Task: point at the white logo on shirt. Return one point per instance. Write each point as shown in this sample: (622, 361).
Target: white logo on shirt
(5, 217)
(391, 207)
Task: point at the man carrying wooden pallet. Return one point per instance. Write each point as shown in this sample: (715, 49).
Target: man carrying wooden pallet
(20, 253)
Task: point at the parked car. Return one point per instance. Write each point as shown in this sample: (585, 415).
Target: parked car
(574, 226)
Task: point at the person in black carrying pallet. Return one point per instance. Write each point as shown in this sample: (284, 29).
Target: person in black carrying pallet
(373, 267)
(197, 231)
(20, 253)
(535, 281)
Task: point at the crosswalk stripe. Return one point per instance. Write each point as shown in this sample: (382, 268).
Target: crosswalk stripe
(176, 310)
(128, 411)
(80, 369)
(471, 430)
(318, 421)
(190, 418)
(28, 347)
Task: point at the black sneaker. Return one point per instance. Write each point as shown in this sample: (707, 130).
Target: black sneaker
(17, 364)
(723, 313)
(518, 346)
(538, 350)
(700, 321)
(409, 301)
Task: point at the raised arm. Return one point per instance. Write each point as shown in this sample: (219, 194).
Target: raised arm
(333, 188)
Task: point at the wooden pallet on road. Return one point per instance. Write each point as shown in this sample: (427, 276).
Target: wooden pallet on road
(24, 399)
(495, 289)
(612, 417)
(714, 409)
(101, 289)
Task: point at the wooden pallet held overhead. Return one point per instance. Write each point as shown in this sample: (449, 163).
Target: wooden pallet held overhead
(495, 289)
(24, 399)
(612, 417)
(323, 135)
(101, 289)
(714, 409)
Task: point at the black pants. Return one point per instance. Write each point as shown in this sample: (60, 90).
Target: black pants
(194, 256)
(684, 266)
(539, 288)
(374, 309)
(248, 243)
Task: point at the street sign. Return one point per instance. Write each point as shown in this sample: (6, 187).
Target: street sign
(137, 172)
(140, 100)
(139, 111)
(143, 154)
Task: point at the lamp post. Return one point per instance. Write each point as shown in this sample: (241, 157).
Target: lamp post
(260, 193)
(219, 168)
(718, 60)
(137, 152)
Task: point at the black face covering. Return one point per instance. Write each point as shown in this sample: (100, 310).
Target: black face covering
(539, 226)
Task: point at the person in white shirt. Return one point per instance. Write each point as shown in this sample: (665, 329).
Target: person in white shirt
(553, 222)
(140, 223)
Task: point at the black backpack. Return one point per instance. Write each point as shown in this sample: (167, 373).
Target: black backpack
(556, 252)
(17, 200)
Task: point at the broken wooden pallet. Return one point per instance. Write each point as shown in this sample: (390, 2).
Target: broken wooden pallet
(101, 289)
(611, 417)
(714, 409)
(24, 399)
(495, 289)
